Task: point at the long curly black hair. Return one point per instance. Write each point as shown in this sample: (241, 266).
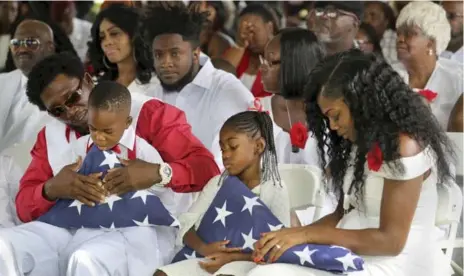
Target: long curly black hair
(382, 107)
(128, 19)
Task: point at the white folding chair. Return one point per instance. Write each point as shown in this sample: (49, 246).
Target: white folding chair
(304, 186)
(450, 203)
(449, 211)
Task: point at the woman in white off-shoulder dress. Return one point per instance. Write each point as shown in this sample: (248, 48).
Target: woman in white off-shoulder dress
(387, 153)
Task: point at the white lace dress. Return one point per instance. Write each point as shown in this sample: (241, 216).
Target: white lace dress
(421, 254)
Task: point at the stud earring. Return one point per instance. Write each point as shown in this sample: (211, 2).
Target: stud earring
(430, 52)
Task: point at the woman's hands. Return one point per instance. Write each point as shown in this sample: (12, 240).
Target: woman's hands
(277, 242)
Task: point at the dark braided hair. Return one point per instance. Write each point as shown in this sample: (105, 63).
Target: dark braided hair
(258, 124)
(382, 107)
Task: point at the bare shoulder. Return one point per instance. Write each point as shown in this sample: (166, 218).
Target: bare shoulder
(408, 146)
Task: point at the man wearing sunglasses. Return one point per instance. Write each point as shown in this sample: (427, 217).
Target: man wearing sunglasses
(336, 23)
(59, 86)
(19, 120)
(454, 13)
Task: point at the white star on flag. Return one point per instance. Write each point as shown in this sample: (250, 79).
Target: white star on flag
(175, 223)
(347, 261)
(275, 228)
(111, 159)
(336, 246)
(193, 256)
(250, 203)
(110, 201)
(111, 227)
(222, 213)
(249, 241)
(305, 255)
(143, 223)
(78, 205)
(142, 194)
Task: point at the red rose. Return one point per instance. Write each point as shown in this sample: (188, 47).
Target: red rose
(298, 136)
(375, 158)
(428, 94)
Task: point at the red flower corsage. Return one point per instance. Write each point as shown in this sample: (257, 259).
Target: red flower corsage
(257, 106)
(428, 94)
(375, 158)
(298, 136)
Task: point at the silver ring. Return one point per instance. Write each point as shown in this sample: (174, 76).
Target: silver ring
(278, 246)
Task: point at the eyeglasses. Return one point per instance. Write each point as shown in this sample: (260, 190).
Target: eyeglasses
(266, 63)
(331, 13)
(29, 43)
(453, 15)
(362, 42)
(73, 98)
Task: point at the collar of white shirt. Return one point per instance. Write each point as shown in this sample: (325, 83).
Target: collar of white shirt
(23, 80)
(204, 76)
(127, 139)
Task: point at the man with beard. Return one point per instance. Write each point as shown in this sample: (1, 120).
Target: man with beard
(190, 82)
(20, 120)
(59, 86)
(336, 23)
(455, 14)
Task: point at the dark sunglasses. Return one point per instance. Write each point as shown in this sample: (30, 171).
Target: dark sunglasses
(73, 98)
(28, 43)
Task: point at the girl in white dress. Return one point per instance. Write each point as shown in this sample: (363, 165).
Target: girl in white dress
(387, 153)
(248, 152)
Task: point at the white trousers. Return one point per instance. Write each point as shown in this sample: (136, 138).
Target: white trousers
(192, 267)
(40, 249)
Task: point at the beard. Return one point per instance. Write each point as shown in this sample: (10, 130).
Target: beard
(179, 84)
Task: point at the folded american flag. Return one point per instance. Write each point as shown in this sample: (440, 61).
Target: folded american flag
(140, 208)
(238, 215)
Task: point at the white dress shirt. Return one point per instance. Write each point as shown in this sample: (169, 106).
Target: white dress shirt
(20, 120)
(10, 174)
(456, 56)
(208, 101)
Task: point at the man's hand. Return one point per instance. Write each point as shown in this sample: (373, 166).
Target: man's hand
(69, 184)
(135, 175)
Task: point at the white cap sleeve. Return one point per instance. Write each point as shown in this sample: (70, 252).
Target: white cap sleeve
(414, 166)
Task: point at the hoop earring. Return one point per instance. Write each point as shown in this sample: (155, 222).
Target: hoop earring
(133, 56)
(104, 62)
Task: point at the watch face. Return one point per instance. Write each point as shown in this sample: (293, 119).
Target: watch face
(167, 171)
